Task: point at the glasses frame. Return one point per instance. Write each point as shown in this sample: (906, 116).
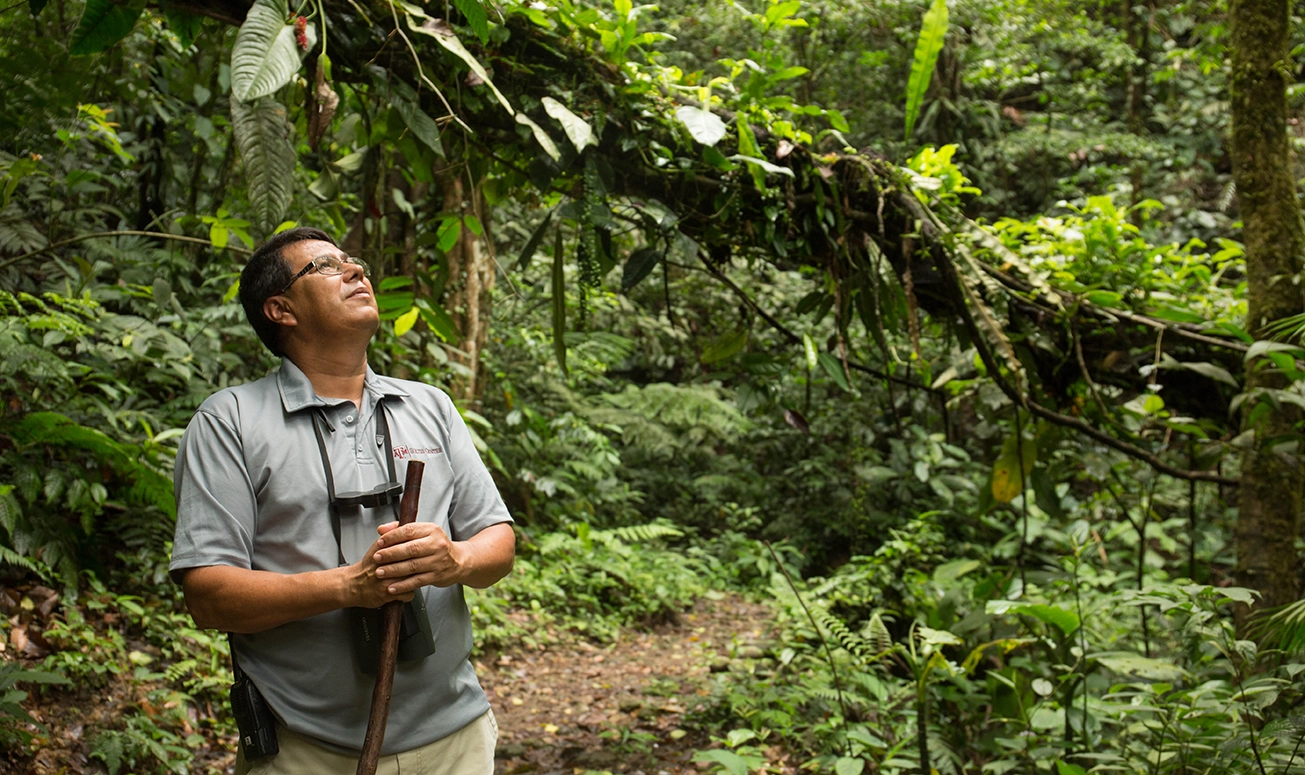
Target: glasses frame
(314, 265)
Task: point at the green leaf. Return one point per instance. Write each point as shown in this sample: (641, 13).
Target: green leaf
(951, 571)
(846, 765)
(1128, 663)
(404, 323)
(532, 244)
(1066, 621)
(1216, 373)
(726, 347)
(837, 121)
(756, 162)
(439, 320)
(728, 760)
(576, 128)
(638, 266)
(265, 56)
(184, 24)
(541, 137)
(927, 47)
(1065, 768)
(1007, 481)
(834, 368)
(422, 126)
(559, 302)
(263, 138)
(448, 234)
(705, 127)
(809, 350)
(477, 19)
(103, 23)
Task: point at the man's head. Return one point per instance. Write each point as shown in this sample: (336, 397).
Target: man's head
(301, 278)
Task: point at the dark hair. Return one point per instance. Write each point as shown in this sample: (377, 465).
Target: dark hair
(264, 275)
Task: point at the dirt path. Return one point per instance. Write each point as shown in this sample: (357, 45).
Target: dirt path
(578, 707)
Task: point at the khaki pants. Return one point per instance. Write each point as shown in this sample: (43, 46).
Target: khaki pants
(469, 751)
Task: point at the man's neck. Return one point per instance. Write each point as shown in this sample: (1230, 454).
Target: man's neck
(334, 375)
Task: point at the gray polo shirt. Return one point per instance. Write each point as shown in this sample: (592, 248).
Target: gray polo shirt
(251, 493)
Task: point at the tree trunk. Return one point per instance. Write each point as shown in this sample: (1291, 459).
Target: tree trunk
(471, 280)
(1271, 488)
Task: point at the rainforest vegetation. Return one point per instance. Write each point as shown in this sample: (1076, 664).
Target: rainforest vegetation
(964, 338)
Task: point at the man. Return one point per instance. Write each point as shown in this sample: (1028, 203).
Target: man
(272, 547)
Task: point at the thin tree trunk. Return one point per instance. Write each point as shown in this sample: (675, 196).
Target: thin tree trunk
(471, 280)
(1270, 495)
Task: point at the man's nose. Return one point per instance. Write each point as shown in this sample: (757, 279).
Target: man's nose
(353, 272)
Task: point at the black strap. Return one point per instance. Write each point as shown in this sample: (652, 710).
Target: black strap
(382, 436)
(236, 673)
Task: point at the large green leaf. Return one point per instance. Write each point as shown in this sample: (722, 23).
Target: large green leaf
(265, 56)
(927, 47)
(1066, 621)
(263, 138)
(477, 19)
(104, 23)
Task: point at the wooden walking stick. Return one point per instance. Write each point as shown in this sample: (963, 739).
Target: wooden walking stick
(391, 619)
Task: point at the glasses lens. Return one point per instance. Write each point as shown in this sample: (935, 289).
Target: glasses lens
(329, 265)
(366, 270)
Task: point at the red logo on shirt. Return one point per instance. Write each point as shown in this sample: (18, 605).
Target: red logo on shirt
(405, 452)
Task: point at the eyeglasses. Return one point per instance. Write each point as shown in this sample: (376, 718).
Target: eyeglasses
(329, 266)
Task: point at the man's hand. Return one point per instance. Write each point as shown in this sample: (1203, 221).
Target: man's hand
(422, 554)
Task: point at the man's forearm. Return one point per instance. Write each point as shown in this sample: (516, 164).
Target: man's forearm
(233, 599)
(488, 556)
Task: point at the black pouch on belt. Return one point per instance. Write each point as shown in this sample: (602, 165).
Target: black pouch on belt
(254, 718)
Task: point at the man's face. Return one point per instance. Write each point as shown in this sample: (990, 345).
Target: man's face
(325, 306)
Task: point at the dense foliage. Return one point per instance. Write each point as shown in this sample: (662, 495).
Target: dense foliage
(968, 403)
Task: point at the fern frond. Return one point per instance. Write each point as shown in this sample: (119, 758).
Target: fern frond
(636, 534)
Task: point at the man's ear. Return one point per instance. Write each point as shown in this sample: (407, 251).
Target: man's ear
(277, 309)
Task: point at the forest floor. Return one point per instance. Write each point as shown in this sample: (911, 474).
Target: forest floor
(565, 708)
(621, 707)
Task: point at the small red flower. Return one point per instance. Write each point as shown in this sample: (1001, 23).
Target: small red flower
(301, 32)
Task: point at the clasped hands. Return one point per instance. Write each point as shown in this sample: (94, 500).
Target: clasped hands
(404, 559)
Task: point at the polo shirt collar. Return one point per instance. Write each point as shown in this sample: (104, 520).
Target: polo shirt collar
(297, 392)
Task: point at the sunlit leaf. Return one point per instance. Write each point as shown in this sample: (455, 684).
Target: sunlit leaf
(705, 127)
(576, 128)
(927, 47)
(404, 323)
(265, 55)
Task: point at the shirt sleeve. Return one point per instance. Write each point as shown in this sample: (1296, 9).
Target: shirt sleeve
(216, 505)
(476, 501)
